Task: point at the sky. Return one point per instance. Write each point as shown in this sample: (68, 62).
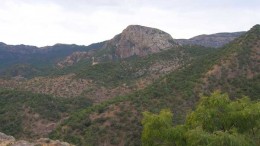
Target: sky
(82, 22)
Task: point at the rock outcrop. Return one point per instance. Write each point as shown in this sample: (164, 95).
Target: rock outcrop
(6, 140)
(140, 41)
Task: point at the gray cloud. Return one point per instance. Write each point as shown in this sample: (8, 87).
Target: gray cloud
(46, 22)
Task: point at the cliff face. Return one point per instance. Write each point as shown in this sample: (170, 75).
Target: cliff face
(213, 40)
(139, 40)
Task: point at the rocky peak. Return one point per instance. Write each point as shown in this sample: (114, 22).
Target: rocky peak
(139, 40)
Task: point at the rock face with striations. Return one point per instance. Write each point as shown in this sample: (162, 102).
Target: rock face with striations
(139, 40)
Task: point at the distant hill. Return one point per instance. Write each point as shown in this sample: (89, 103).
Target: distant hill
(14, 58)
(212, 40)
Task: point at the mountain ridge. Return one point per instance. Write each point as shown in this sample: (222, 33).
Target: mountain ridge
(215, 40)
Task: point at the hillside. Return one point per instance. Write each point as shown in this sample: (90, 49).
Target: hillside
(237, 72)
(117, 121)
(104, 80)
(76, 75)
(29, 116)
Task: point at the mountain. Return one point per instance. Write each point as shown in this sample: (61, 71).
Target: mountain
(10, 54)
(213, 40)
(79, 81)
(135, 40)
(140, 41)
(233, 69)
(97, 96)
(14, 58)
(76, 75)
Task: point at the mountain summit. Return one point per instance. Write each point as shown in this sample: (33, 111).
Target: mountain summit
(139, 40)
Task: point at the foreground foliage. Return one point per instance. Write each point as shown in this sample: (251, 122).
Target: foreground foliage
(216, 121)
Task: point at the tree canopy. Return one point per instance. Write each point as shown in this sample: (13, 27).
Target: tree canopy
(216, 121)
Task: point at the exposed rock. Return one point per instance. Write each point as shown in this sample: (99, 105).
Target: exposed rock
(213, 40)
(6, 140)
(139, 40)
(22, 143)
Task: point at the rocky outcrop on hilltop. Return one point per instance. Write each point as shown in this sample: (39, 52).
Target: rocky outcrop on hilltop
(140, 41)
(213, 40)
(6, 140)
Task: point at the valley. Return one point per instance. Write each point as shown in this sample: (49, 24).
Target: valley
(95, 95)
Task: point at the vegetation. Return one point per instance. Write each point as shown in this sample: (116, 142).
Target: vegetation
(15, 105)
(167, 92)
(118, 120)
(216, 121)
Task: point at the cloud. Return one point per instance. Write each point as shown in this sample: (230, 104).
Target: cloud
(46, 22)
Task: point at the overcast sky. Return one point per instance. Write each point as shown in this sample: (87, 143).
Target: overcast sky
(47, 22)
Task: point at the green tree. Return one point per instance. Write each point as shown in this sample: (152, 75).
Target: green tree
(158, 129)
(216, 121)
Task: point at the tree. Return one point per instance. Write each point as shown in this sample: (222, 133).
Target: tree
(216, 121)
